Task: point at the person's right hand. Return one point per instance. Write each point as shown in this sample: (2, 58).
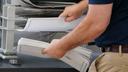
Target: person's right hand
(71, 12)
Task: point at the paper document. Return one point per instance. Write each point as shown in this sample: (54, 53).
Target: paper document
(79, 58)
(50, 24)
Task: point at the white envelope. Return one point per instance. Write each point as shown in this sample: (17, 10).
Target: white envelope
(50, 24)
(79, 58)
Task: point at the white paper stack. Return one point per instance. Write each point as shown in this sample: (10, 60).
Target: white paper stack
(50, 24)
(77, 58)
(31, 47)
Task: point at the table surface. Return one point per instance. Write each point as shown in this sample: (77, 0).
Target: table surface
(35, 64)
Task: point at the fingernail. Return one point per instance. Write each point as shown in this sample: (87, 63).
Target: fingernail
(43, 52)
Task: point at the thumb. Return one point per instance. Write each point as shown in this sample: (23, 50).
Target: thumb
(55, 40)
(43, 51)
(63, 14)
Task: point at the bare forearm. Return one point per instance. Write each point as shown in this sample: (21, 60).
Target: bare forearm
(82, 34)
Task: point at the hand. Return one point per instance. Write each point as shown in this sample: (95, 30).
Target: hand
(54, 50)
(71, 12)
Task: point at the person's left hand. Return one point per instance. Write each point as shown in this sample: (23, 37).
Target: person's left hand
(54, 50)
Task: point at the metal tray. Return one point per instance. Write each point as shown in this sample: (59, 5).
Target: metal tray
(35, 12)
(47, 4)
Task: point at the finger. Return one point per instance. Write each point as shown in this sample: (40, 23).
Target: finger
(71, 18)
(64, 14)
(43, 51)
(54, 40)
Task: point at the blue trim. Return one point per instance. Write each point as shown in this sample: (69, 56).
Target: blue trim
(100, 1)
